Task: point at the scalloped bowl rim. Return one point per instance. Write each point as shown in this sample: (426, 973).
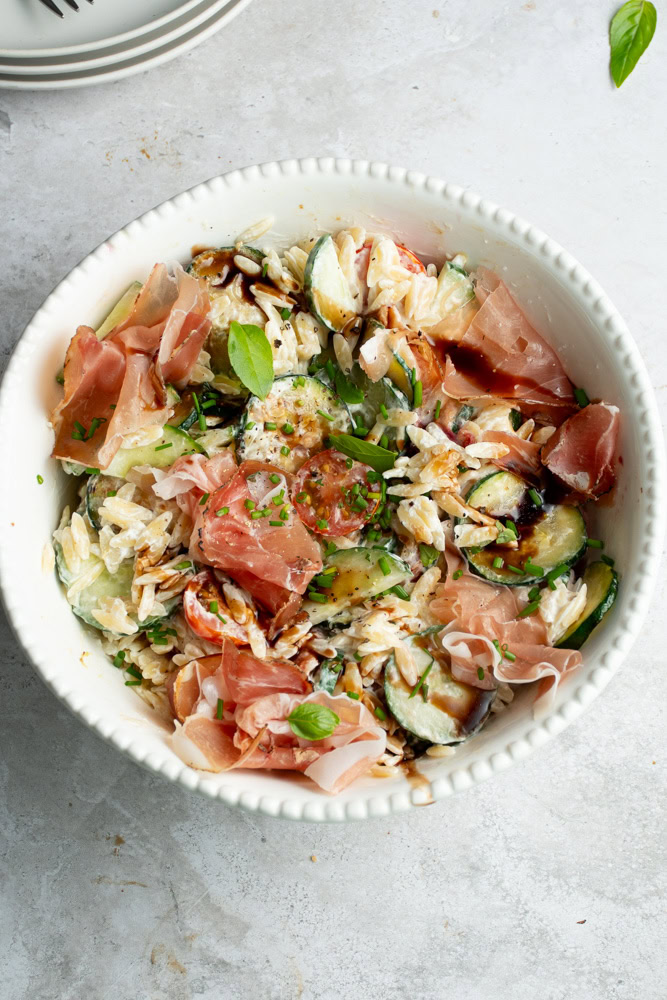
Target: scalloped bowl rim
(584, 685)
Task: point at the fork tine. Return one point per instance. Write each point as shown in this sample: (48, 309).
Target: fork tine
(73, 4)
(52, 7)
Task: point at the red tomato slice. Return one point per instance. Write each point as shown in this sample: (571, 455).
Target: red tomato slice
(207, 613)
(407, 257)
(323, 495)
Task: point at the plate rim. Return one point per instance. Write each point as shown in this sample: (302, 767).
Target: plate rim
(535, 732)
(184, 42)
(83, 47)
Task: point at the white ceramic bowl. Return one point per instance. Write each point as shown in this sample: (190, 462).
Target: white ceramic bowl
(432, 218)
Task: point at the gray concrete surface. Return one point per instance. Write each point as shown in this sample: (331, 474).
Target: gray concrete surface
(547, 883)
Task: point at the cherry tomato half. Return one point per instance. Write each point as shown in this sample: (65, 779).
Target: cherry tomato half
(207, 613)
(407, 258)
(333, 495)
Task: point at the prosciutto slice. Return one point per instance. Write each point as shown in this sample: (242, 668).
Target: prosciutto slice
(94, 372)
(581, 452)
(281, 603)
(121, 380)
(501, 355)
(470, 604)
(523, 457)
(194, 472)
(286, 556)
(247, 678)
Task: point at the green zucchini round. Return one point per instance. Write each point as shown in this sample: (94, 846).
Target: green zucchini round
(601, 590)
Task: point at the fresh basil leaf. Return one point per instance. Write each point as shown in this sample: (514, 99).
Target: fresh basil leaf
(251, 358)
(631, 30)
(313, 722)
(347, 391)
(378, 458)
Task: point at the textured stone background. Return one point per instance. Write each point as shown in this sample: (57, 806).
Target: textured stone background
(116, 885)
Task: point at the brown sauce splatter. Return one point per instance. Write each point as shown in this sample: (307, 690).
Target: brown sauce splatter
(417, 779)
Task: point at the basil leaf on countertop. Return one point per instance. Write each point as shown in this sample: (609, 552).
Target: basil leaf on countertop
(630, 33)
(378, 458)
(251, 358)
(312, 721)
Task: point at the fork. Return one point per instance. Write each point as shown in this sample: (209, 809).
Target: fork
(56, 10)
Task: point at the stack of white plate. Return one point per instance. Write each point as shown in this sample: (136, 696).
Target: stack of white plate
(107, 41)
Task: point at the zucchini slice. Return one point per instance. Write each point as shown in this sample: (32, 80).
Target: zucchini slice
(377, 394)
(443, 710)
(120, 311)
(107, 584)
(97, 490)
(549, 535)
(291, 424)
(601, 590)
(327, 292)
(326, 676)
(362, 573)
(160, 454)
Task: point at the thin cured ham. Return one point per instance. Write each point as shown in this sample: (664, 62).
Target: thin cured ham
(470, 604)
(247, 678)
(286, 556)
(522, 458)
(117, 386)
(581, 452)
(501, 355)
(194, 472)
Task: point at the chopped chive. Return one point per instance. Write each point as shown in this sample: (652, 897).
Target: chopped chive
(380, 713)
(118, 658)
(222, 512)
(285, 313)
(438, 407)
(515, 569)
(324, 579)
(318, 598)
(132, 670)
(413, 376)
(349, 462)
(256, 514)
(204, 499)
(220, 707)
(213, 607)
(287, 428)
(392, 498)
(249, 504)
(498, 562)
(417, 395)
(265, 269)
(186, 564)
(284, 514)
(530, 567)
(285, 450)
(299, 380)
(374, 496)
(277, 524)
(360, 503)
(112, 493)
(421, 680)
(330, 370)
(209, 403)
(223, 620)
(529, 609)
(322, 524)
(480, 673)
(327, 416)
(508, 654)
(383, 563)
(274, 478)
(384, 441)
(594, 543)
(457, 574)
(356, 489)
(384, 411)
(92, 472)
(373, 535)
(581, 397)
(512, 527)
(279, 498)
(372, 476)
(40, 479)
(249, 425)
(270, 426)
(359, 431)
(200, 416)
(353, 695)
(132, 684)
(608, 560)
(330, 549)
(535, 497)
(534, 594)
(300, 497)
(400, 592)
(161, 447)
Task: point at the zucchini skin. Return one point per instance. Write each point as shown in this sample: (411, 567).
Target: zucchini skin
(591, 618)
